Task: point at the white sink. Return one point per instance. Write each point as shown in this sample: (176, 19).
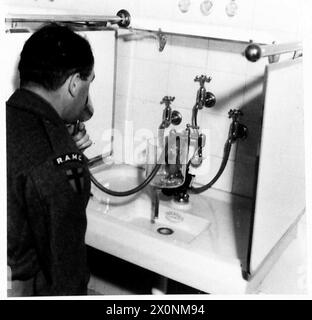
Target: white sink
(119, 177)
(136, 211)
(171, 224)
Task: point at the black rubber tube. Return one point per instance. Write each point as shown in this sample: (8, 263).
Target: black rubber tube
(226, 153)
(128, 192)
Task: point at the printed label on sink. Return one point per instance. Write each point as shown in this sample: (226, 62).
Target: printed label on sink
(174, 216)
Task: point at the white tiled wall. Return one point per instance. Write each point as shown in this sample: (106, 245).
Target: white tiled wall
(146, 75)
(278, 18)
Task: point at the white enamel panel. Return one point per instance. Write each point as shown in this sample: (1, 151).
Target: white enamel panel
(280, 194)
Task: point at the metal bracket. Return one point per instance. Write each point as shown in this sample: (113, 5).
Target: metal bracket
(162, 38)
(255, 51)
(274, 58)
(140, 35)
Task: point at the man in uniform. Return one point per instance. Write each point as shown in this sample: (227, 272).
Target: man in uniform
(48, 180)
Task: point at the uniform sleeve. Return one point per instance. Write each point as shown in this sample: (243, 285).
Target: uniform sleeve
(57, 195)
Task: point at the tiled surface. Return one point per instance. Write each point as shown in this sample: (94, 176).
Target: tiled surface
(145, 75)
(227, 56)
(152, 74)
(150, 80)
(189, 51)
(182, 85)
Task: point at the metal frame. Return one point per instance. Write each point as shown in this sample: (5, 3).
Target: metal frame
(255, 52)
(19, 22)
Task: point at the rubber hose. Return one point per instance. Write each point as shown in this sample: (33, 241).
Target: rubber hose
(226, 153)
(128, 192)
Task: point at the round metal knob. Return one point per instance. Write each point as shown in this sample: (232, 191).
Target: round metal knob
(126, 18)
(253, 52)
(176, 117)
(210, 100)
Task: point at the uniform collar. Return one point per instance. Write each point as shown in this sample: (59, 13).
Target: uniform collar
(32, 102)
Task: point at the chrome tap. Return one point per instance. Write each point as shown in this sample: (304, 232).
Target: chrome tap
(201, 93)
(237, 130)
(155, 211)
(169, 116)
(203, 99)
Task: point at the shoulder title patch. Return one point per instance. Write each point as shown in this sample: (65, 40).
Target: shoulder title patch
(70, 157)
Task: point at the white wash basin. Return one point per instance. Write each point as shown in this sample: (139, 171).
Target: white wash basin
(136, 211)
(204, 241)
(119, 177)
(171, 224)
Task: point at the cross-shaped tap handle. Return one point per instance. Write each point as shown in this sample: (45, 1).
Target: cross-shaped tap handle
(202, 79)
(167, 100)
(234, 114)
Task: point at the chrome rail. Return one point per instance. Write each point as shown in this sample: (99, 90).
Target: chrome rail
(255, 52)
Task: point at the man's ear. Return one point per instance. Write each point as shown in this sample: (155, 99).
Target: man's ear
(73, 85)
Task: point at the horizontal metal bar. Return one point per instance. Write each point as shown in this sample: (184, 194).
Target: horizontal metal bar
(62, 18)
(122, 18)
(254, 51)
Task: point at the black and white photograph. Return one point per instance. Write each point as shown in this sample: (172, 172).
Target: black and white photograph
(155, 150)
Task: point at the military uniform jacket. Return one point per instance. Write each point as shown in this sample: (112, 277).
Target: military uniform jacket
(48, 187)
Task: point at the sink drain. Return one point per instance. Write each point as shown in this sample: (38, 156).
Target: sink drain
(165, 231)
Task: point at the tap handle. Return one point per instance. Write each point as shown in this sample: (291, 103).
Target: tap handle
(234, 114)
(167, 100)
(202, 79)
(237, 130)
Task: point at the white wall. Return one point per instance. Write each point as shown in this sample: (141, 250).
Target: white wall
(145, 75)
(278, 18)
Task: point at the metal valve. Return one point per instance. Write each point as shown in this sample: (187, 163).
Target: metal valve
(237, 130)
(202, 79)
(169, 117)
(167, 100)
(234, 114)
(204, 98)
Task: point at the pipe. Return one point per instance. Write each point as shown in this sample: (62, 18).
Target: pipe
(254, 51)
(122, 18)
(226, 153)
(128, 192)
(194, 116)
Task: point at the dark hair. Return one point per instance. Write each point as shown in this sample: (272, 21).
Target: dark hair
(52, 54)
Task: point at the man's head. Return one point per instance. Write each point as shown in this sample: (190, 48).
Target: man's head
(60, 62)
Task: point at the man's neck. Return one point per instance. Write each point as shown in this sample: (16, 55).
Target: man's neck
(53, 97)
